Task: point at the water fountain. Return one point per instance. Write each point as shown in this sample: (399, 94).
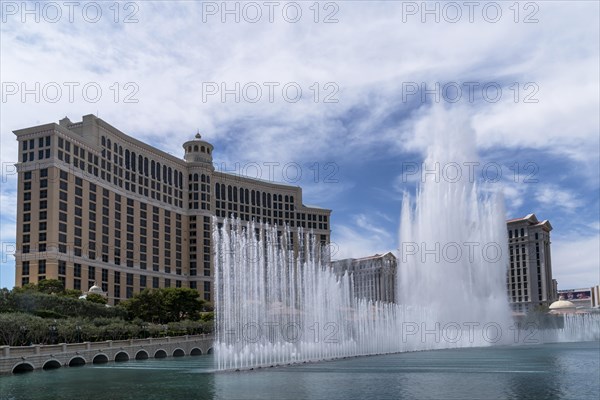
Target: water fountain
(453, 244)
(278, 303)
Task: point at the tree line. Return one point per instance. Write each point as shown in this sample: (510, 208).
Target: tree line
(46, 313)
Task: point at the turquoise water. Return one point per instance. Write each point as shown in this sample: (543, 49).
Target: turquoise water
(549, 371)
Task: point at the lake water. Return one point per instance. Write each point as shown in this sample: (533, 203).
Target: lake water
(548, 371)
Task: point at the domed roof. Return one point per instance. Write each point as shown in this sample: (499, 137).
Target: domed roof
(96, 289)
(562, 305)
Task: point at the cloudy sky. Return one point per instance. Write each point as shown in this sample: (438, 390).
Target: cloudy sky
(333, 96)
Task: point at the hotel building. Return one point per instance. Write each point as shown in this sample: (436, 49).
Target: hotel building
(374, 277)
(96, 205)
(529, 278)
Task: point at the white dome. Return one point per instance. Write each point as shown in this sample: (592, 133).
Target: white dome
(562, 305)
(96, 289)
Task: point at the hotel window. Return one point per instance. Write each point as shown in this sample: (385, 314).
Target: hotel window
(41, 267)
(62, 267)
(25, 268)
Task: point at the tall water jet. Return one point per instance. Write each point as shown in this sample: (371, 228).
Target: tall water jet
(453, 239)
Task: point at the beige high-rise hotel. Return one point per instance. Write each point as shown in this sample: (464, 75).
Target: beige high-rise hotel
(529, 280)
(96, 205)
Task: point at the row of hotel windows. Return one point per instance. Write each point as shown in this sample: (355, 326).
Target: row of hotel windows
(44, 144)
(206, 234)
(106, 206)
(199, 192)
(227, 206)
(92, 278)
(172, 180)
(516, 233)
(43, 213)
(195, 148)
(110, 168)
(245, 215)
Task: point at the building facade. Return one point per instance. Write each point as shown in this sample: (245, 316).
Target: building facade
(96, 205)
(374, 277)
(529, 278)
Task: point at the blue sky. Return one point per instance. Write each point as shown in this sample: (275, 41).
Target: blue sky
(170, 55)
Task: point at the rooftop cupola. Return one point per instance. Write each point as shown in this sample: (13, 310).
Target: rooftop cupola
(198, 150)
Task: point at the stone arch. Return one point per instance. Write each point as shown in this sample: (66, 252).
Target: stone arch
(210, 351)
(51, 364)
(178, 353)
(76, 361)
(160, 353)
(100, 359)
(196, 352)
(141, 355)
(22, 367)
(121, 356)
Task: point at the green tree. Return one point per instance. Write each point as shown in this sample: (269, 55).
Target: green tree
(147, 305)
(164, 305)
(51, 286)
(73, 293)
(96, 298)
(182, 303)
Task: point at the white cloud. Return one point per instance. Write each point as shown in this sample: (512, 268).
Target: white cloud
(365, 236)
(552, 197)
(576, 261)
(357, 242)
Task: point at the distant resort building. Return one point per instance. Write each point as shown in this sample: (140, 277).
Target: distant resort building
(582, 299)
(529, 279)
(374, 276)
